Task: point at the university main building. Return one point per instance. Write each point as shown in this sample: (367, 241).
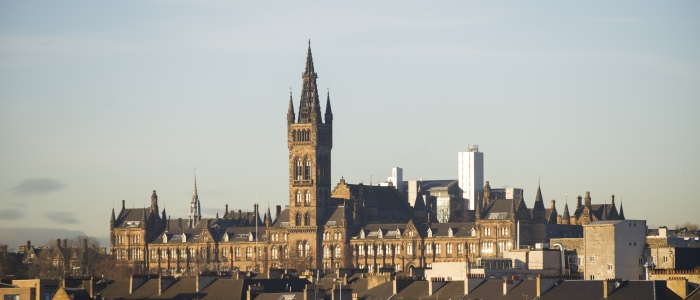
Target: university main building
(347, 226)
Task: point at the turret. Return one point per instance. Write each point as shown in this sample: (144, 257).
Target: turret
(538, 211)
(290, 109)
(622, 212)
(154, 203)
(268, 217)
(565, 217)
(328, 119)
(112, 221)
(487, 193)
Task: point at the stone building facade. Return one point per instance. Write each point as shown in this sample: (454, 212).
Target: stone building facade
(347, 226)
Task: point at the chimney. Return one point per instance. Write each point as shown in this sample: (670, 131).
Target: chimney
(509, 284)
(678, 285)
(545, 284)
(58, 243)
(472, 281)
(553, 203)
(89, 286)
(609, 286)
(434, 284)
(164, 283)
(278, 211)
(65, 243)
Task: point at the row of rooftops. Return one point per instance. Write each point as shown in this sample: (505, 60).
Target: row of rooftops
(358, 286)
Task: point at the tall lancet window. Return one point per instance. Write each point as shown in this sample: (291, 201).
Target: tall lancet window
(307, 169)
(307, 197)
(298, 169)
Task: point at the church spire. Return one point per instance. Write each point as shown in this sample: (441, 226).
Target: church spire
(538, 210)
(195, 209)
(309, 107)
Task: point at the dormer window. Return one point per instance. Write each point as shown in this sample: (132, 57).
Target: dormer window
(165, 238)
(450, 232)
(398, 233)
(473, 232)
(379, 234)
(184, 238)
(250, 236)
(362, 234)
(430, 232)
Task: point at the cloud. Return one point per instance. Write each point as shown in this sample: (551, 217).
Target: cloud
(41, 186)
(11, 214)
(62, 217)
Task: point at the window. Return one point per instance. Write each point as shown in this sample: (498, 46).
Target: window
(275, 253)
(460, 248)
(12, 297)
(361, 249)
(438, 248)
(306, 249)
(298, 169)
(337, 252)
(183, 253)
(448, 248)
(388, 250)
(307, 219)
(591, 259)
(326, 252)
(428, 249)
(298, 197)
(237, 252)
(298, 219)
(610, 267)
(154, 254)
(665, 258)
(369, 249)
(409, 248)
(307, 169)
(592, 277)
(224, 252)
(248, 253)
(307, 197)
(193, 253)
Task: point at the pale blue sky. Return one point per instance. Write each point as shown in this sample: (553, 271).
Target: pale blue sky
(103, 101)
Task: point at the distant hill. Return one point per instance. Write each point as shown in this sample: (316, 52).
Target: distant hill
(14, 237)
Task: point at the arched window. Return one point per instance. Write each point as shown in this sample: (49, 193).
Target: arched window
(300, 248)
(298, 197)
(337, 251)
(307, 219)
(298, 219)
(298, 169)
(307, 169)
(306, 249)
(307, 197)
(326, 252)
(294, 135)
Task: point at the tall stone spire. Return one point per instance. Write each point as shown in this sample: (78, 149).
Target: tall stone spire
(328, 118)
(195, 209)
(290, 109)
(309, 106)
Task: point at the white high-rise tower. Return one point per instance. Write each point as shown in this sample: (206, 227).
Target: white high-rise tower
(471, 177)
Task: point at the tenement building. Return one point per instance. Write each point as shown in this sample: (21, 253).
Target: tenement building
(343, 226)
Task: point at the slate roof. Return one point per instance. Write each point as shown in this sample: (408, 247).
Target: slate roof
(335, 215)
(628, 290)
(499, 209)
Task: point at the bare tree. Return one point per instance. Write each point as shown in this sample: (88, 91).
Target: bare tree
(688, 226)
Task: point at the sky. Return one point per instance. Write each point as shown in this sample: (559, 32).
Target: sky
(103, 101)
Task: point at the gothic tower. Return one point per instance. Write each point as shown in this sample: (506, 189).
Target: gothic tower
(195, 208)
(310, 140)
